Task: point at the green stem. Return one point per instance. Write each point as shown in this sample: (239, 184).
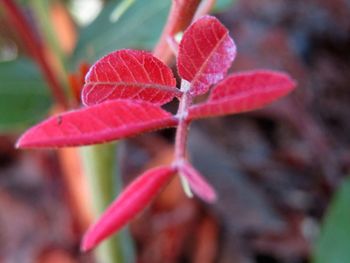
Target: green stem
(101, 171)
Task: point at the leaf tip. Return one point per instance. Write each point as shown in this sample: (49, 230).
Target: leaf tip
(293, 83)
(211, 197)
(87, 243)
(18, 144)
(290, 83)
(28, 139)
(21, 142)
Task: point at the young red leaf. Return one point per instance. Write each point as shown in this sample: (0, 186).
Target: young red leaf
(134, 198)
(197, 182)
(100, 123)
(129, 74)
(206, 51)
(243, 92)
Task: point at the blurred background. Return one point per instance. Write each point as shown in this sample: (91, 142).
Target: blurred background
(282, 173)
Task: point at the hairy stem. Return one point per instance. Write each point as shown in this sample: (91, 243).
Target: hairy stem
(182, 133)
(183, 126)
(36, 48)
(180, 16)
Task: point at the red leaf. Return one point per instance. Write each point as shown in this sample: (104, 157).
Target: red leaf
(129, 74)
(243, 92)
(104, 122)
(206, 51)
(134, 198)
(197, 182)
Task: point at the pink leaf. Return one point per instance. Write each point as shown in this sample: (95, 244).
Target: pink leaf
(129, 74)
(104, 122)
(206, 51)
(243, 92)
(134, 198)
(197, 182)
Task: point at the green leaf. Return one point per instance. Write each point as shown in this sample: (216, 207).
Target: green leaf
(333, 245)
(133, 24)
(24, 97)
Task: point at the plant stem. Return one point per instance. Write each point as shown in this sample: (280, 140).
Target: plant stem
(182, 133)
(183, 126)
(100, 169)
(36, 48)
(180, 16)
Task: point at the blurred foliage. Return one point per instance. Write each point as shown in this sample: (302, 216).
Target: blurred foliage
(221, 5)
(333, 245)
(24, 96)
(130, 24)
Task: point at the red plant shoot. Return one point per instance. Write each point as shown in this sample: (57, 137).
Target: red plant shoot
(124, 92)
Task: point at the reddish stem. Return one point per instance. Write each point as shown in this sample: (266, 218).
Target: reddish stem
(183, 124)
(35, 47)
(191, 178)
(180, 16)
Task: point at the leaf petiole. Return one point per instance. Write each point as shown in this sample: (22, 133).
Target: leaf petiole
(186, 186)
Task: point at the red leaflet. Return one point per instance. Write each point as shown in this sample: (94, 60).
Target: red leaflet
(133, 199)
(129, 74)
(197, 182)
(206, 51)
(104, 122)
(243, 92)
